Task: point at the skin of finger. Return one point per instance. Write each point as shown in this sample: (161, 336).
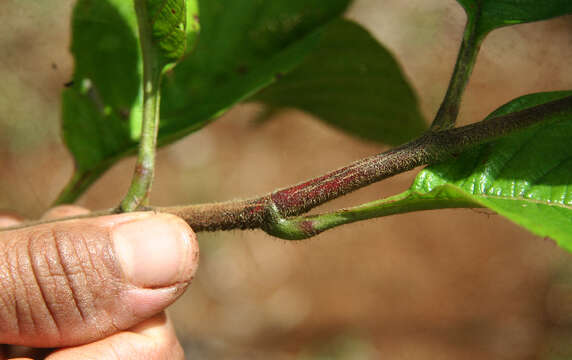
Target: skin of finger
(153, 339)
(64, 211)
(12, 219)
(159, 329)
(52, 314)
(9, 219)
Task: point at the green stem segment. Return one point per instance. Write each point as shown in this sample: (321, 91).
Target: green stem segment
(138, 193)
(304, 227)
(447, 115)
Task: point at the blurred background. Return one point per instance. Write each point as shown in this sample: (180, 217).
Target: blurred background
(450, 284)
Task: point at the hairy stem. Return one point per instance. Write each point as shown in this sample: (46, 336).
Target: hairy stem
(271, 211)
(449, 110)
(138, 193)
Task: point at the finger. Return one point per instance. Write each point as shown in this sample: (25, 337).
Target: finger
(153, 339)
(77, 281)
(8, 218)
(64, 211)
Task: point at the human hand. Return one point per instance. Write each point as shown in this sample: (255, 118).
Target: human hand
(93, 288)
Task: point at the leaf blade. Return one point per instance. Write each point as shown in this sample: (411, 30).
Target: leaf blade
(360, 90)
(243, 46)
(526, 177)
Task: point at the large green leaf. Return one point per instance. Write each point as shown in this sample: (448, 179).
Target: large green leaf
(243, 47)
(353, 83)
(492, 14)
(526, 177)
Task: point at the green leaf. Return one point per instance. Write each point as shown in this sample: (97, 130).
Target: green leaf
(242, 47)
(352, 82)
(492, 14)
(526, 177)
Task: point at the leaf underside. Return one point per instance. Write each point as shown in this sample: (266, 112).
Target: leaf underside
(352, 82)
(526, 177)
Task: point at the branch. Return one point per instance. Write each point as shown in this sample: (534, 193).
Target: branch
(269, 212)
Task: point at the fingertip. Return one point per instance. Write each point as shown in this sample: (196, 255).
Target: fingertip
(153, 339)
(9, 218)
(157, 251)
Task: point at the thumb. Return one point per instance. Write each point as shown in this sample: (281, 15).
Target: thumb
(77, 281)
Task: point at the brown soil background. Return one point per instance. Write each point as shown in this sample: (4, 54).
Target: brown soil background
(460, 284)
